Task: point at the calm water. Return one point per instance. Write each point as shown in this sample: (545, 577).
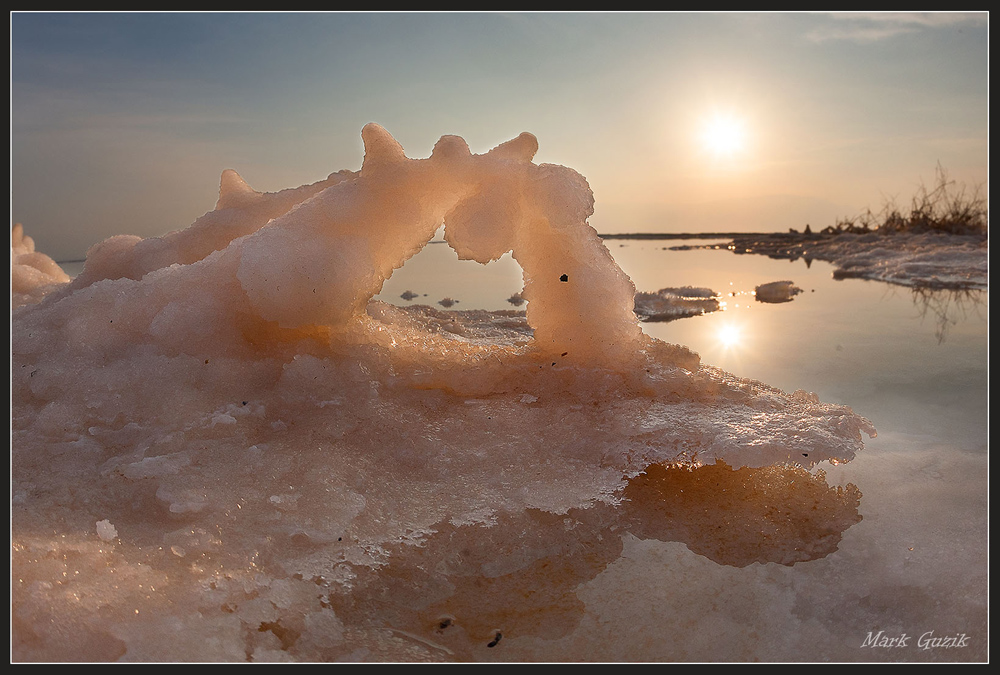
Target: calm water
(913, 363)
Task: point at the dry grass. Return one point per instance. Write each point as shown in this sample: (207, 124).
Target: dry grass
(948, 207)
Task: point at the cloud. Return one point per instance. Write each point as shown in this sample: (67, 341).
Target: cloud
(874, 26)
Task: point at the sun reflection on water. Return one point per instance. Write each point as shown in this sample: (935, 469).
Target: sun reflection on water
(730, 335)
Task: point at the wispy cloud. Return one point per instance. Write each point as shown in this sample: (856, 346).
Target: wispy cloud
(874, 26)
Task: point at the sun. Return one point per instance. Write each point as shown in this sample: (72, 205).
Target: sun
(724, 135)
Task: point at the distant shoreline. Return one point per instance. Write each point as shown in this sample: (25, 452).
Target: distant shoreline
(632, 235)
(685, 235)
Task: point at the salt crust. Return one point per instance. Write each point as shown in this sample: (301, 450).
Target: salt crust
(928, 260)
(294, 471)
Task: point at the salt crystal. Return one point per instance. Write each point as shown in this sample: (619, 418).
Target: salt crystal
(106, 531)
(776, 291)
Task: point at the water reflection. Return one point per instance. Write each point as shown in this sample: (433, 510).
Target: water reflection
(948, 307)
(465, 589)
(730, 335)
(776, 514)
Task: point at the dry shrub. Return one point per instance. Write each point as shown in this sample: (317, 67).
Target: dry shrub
(948, 207)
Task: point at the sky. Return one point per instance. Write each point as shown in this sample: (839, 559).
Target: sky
(681, 122)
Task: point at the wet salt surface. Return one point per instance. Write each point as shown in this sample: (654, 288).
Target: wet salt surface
(296, 494)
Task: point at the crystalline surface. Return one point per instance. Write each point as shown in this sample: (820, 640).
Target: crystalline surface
(295, 472)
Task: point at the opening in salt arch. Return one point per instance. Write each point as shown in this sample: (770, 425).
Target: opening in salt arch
(437, 274)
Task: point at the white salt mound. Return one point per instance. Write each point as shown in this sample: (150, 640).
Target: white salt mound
(32, 274)
(296, 472)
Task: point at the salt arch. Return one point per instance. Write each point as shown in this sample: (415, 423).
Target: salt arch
(329, 246)
(323, 262)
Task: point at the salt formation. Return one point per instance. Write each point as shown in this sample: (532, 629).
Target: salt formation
(776, 291)
(32, 274)
(668, 304)
(222, 449)
(241, 210)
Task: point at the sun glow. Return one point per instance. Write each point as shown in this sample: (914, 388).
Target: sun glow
(724, 135)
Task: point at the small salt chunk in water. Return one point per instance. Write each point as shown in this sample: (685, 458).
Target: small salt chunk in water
(106, 531)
